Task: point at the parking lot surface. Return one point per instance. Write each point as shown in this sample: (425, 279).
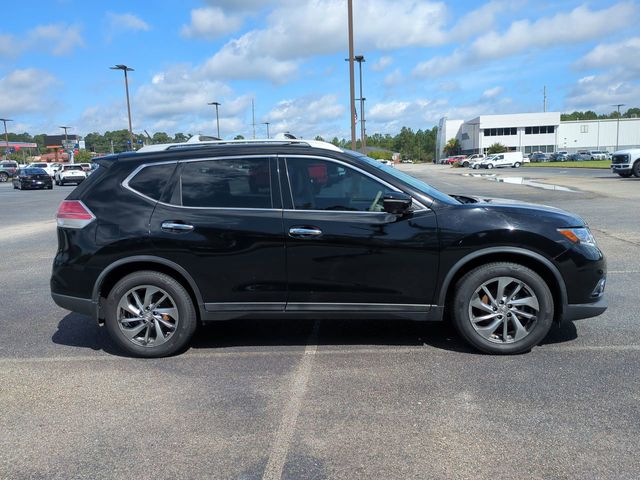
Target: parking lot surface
(319, 399)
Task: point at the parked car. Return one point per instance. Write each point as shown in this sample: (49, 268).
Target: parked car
(598, 155)
(31, 177)
(538, 157)
(506, 159)
(580, 156)
(47, 166)
(7, 170)
(85, 166)
(139, 239)
(472, 159)
(561, 156)
(70, 173)
(626, 162)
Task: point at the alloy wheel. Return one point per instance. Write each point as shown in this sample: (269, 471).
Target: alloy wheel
(147, 315)
(504, 310)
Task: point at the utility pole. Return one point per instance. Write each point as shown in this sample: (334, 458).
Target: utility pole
(544, 102)
(363, 140)
(6, 135)
(267, 124)
(253, 118)
(352, 111)
(618, 105)
(217, 118)
(126, 69)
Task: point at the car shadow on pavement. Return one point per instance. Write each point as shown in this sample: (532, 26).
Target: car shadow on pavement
(77, 330)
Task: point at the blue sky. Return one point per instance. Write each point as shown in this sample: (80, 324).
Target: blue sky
(424, 60)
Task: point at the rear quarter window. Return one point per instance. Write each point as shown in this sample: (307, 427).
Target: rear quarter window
(152, 180)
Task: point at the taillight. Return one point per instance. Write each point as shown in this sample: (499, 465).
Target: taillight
(74, 214)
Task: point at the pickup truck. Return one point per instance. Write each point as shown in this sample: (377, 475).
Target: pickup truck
(626, 162)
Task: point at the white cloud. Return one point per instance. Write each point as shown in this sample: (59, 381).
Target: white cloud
(492, 92)
(585, 24)
(127, 21)
(26, 91)
(382, 63)
(599, 92)
(393, 78)
(57, 39)
(626, 52)
(210, 23)
(481, 19)
(306, 116)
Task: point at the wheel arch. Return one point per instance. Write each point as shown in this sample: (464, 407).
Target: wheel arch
(533, 260)
(120, 268)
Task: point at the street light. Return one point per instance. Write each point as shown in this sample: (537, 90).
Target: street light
(6, 135)
(66, 140)
(267, 124)
(363, 139)
(618, 105)
(352, 95)
(217, 118)
(65, 132)
(126, 69)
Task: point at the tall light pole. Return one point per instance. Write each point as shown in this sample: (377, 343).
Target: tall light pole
(65, 132)
(352, 95)
(217, 117)
(6, 135)
(267, 124)
(363, 140)
(618, 105)
(126, 69)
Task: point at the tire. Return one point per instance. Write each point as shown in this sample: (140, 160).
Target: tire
(516, 165)
(625, 174)
(177, 310)
(56, 182)
(487, 335)
(489, 165)
(3, 177)
(465, 164)
(476, 167)
(15, 187)
(636, 168)
(61, 182)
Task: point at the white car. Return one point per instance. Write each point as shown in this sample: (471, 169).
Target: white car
(70, 174)
(506, 159)
(46, 166)
(471, 160)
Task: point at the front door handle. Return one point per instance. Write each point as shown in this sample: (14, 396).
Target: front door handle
(175, 227)
(304, 232)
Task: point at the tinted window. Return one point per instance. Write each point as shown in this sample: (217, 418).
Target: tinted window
(72, 167)
(227, 183)
(151, 181)
(33, 171)
(323, 185)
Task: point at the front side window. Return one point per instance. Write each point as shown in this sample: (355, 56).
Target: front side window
(226, 183)
(324, 185)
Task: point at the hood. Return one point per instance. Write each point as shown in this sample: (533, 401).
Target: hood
(514, 208)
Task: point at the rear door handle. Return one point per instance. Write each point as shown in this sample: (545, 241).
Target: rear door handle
(175, 227)
(304, 232)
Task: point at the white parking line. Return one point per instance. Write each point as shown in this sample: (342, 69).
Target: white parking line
(280, 447)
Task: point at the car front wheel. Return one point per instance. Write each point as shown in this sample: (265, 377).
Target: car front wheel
(516, 165)
(3, 177)
(150, 314)
(636, 168)
(489, 165)
(503, 308)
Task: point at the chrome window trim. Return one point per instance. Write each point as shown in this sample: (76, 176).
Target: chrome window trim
(125, 182)
(420, 206)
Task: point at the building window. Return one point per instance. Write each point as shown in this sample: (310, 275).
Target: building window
(551, 129)
(527, 130)
(486, 132)
(584, 128)
(514, 131)
(500, 132)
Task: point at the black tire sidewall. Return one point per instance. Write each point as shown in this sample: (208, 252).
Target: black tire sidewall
(186, 311)
(471, 281)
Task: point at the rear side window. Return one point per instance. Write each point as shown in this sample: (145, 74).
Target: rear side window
(226, 183)
(151, 181)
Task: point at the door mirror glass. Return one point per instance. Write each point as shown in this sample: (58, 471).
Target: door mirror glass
(397, 203)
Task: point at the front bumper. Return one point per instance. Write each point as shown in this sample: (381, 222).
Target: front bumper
(585, 310)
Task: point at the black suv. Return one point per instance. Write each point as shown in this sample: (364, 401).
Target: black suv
(156, 241)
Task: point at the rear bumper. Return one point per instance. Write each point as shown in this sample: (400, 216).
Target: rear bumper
(579, 311)
(84, 306)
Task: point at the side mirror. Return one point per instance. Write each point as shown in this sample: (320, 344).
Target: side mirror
(397, 203)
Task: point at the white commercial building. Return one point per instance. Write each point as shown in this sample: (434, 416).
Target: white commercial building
(538, 132)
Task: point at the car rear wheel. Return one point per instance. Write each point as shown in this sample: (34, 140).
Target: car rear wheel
(150, 314)
(516, 165)
(489, 165)
(3, 177)
(502, 308)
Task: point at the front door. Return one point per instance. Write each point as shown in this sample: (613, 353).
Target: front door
(343, 251)
(222, 222)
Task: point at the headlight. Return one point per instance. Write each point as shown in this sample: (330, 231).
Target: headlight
(578, 235)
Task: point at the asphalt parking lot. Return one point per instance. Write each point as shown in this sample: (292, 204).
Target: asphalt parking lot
(319, 399)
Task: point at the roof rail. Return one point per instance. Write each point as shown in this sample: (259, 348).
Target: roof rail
(213, 143)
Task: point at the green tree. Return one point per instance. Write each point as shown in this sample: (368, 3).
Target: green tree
(380, 154)
(161, 137)
(452, 147)
(238, 137)
(83, 156)
(496, 148)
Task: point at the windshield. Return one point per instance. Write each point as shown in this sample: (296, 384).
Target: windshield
(419, 185)
(72, 167)
(33, 171)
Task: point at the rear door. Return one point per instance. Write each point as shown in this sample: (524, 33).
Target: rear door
(221, 220)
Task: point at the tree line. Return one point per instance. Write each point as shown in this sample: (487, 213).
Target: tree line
(415, 145)
(591, 115)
